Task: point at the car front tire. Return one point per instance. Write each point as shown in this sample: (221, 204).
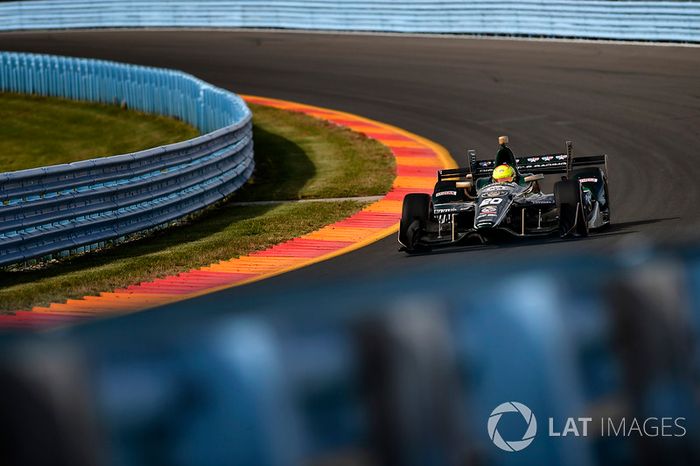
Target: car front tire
(414, 218)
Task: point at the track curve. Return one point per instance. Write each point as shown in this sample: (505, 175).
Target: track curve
(638, 104)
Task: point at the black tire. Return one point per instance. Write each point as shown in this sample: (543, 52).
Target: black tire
(572, 219)
(414, 218)
(602, 185)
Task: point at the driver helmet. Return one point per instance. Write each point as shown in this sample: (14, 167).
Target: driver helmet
(503, 174)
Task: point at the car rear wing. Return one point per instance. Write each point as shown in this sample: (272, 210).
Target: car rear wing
(547, 164)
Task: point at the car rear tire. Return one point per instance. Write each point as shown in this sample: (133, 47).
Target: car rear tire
(414, 218)
(572, 219)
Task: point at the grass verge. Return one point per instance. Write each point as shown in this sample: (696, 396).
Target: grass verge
(38, 131)
(296, 157)
(225, 232)
(320, 159)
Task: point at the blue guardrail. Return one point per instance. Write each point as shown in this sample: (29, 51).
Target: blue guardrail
(414, 369)
(79, 206)
(669, 20)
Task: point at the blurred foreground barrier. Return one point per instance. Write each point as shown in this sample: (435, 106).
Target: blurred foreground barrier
(661, 20)
(79, 206)
(574, 361)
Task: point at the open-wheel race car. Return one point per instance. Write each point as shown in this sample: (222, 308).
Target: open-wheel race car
(470, 204)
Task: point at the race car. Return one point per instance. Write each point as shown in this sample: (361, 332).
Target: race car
(468, 205)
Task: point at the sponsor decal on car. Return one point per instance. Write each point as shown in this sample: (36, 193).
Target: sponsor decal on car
(561, 157)
(540, 201)
(488, 210)
(493, 187)
(547, 158)
(588, 180)
(533, 159)
(452, 207)
(494, 193)
(446, 193)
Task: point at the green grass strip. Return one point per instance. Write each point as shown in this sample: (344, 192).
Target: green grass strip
(38, 131)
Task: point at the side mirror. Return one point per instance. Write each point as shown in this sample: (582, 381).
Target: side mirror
(531, 178)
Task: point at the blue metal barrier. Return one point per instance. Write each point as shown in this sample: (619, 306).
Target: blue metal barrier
(405, 370)
(78, 206)
(671, 20)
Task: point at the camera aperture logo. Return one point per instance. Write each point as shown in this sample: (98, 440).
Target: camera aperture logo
(528, 416)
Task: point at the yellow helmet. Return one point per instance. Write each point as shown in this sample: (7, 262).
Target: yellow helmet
(503, 174)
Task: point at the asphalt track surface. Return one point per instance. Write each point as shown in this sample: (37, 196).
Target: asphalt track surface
(639, 104)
